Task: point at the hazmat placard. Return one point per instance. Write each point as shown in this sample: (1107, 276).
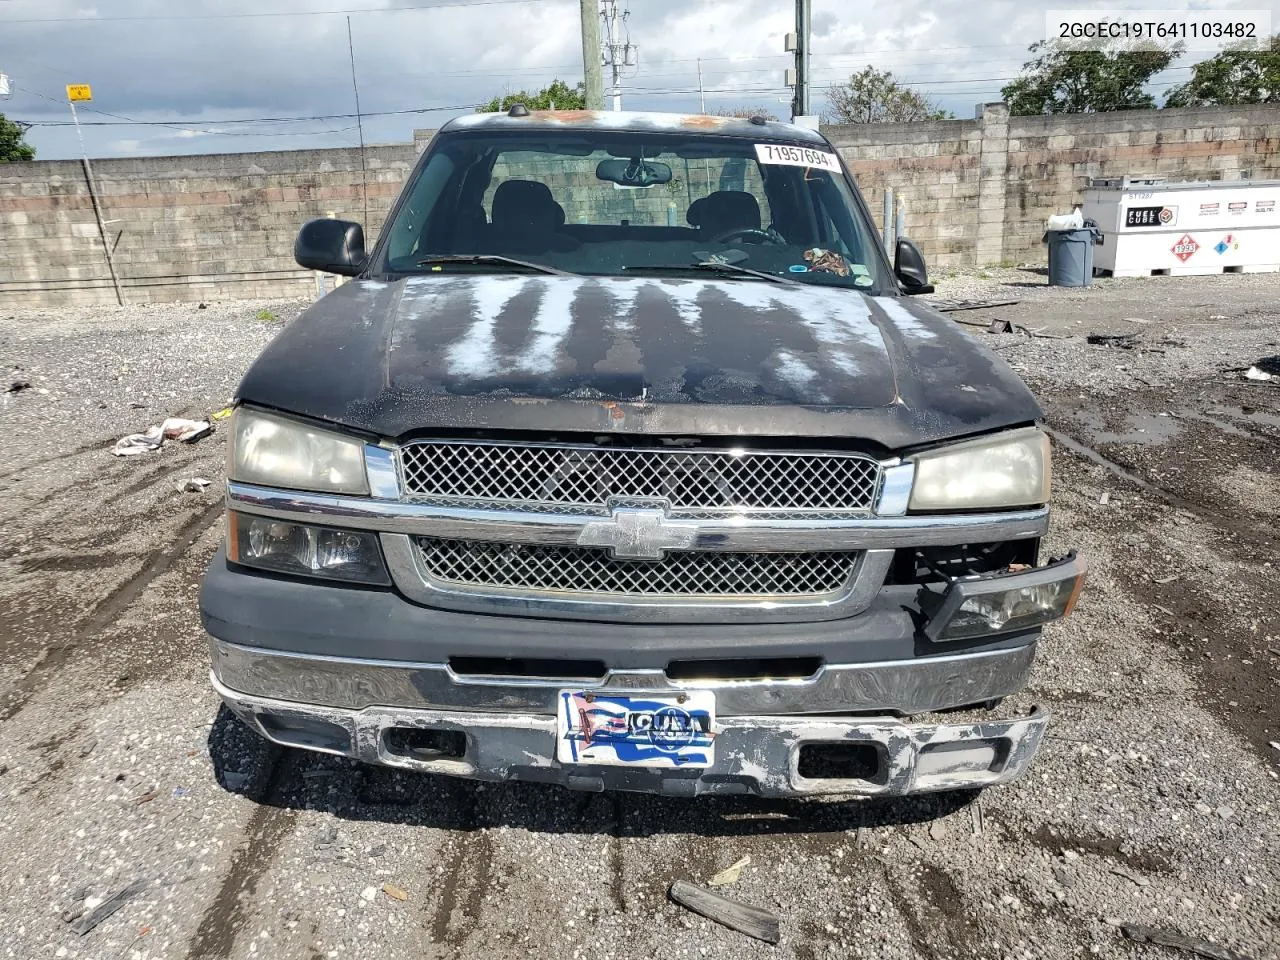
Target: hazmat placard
(77, 92)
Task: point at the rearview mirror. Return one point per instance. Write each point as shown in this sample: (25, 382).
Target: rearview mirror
(908, 264)
(634, 172)
(334, 246)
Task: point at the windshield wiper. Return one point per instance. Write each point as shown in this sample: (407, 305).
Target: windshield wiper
(717, 266)
(494, 259)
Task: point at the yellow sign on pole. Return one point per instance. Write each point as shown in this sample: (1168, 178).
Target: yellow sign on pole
(79, 91)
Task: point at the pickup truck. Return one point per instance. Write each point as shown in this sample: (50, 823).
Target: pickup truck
(626, 460)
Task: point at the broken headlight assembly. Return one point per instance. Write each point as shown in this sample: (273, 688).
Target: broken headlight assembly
(277, 452)
(305, 550)
(1009, 469)
(972, 607)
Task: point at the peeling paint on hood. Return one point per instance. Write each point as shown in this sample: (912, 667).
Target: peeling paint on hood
(634, 354)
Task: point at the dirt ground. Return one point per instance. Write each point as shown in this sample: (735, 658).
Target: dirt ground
(1156, 799)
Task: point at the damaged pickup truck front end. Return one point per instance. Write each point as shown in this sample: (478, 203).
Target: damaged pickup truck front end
(615, 503)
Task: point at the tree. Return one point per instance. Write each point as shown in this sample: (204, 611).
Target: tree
(873, 96)
(1232, 77)
(12, 147)
(558, 96)
(1085, 81)
(744, 113)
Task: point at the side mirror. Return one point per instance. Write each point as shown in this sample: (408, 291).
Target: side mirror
(334, 246)
(908, 264)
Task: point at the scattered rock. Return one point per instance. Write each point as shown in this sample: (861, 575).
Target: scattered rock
(1133, 877)
(1170, 938)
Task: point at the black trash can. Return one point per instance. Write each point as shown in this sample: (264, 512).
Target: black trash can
(1071, 256)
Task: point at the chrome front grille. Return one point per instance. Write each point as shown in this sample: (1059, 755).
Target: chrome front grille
(591, 480)
(563, 571)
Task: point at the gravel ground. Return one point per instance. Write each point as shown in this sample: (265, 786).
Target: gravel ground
(1154, 801)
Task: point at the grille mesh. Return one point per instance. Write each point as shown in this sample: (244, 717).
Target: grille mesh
(590, 571)
(589, 480)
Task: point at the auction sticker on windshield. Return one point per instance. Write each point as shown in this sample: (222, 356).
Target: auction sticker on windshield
(636, 730)
(789, 156)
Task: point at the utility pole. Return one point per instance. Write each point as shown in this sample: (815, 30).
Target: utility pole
(591, 60)
(800, 107)
(619, 53)
(702, 97)
(798, 77)
(82, 91)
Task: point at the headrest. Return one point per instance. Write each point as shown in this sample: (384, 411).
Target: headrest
(526, 203)
(725, 210)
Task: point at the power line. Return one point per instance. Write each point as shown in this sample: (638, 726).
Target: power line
(452, 4)
(364, 170)
(120, 120)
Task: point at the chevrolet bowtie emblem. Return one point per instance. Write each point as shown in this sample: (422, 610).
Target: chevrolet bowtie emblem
(635, 534)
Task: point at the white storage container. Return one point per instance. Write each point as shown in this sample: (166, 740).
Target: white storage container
(1150, 227)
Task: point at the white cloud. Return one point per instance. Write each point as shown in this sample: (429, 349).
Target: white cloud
(193, 73)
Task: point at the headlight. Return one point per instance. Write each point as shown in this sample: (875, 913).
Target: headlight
(298, 548)
(276, 452)
(1005, 470)
(985, 606)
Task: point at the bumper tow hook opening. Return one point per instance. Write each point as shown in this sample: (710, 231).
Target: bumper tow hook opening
(843, 761)
(307, 733)
(420, 744)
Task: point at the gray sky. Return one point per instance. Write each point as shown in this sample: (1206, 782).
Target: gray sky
(198, 64)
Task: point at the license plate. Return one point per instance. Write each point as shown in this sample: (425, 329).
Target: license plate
(636, 730)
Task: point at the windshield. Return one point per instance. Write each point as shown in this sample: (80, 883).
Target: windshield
(625, 204)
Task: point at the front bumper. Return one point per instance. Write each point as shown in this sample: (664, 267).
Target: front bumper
(352, 671)
(757, 755)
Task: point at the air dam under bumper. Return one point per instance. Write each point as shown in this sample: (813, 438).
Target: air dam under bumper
(757, 755)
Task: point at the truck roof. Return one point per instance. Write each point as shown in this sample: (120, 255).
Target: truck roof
(628, 121)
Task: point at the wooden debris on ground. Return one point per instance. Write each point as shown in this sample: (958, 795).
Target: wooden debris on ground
(753, 921)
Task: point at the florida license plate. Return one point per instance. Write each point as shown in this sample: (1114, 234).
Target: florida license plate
(636, 730)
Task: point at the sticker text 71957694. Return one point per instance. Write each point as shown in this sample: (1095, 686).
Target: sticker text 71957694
(786, 155)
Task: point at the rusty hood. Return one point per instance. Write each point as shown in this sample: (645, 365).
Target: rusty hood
(635, 355)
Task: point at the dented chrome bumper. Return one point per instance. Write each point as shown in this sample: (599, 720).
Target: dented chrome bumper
(760, 755)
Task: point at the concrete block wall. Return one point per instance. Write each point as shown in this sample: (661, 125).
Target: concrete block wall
(1051, 159)
(181, 227)
(935, 167)
(205, 227)
(979, 191)
(585, 199)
